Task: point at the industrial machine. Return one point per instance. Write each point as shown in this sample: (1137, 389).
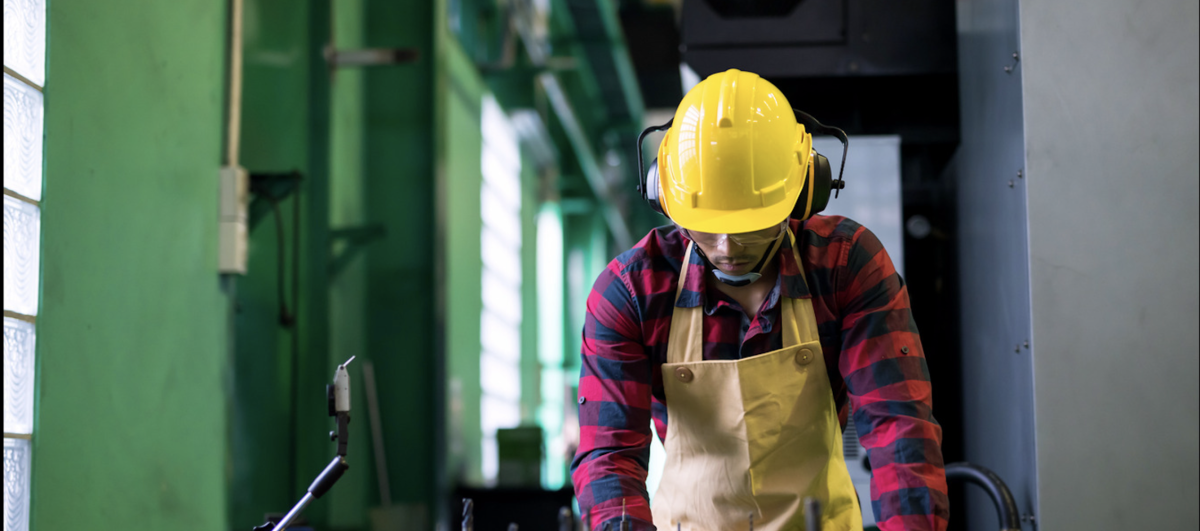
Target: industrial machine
(567, 521)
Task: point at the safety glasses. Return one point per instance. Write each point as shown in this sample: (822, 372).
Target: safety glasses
(744, 239)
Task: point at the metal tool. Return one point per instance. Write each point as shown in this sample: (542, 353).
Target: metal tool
(468, 515)
(751, 526)
(812, 514)
(564, 519)
(338, 395)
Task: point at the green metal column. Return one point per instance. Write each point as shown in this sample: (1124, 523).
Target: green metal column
(401, 322)
(275, 137)
(351, 500)
(316, 358)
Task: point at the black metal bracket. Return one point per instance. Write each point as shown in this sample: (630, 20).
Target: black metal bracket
(356, 239)
(370, 57)
(267, 188)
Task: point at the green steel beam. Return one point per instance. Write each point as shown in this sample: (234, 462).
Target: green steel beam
(624, 65)
(586, 158)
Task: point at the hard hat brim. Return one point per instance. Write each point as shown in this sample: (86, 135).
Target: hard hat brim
(733, 222)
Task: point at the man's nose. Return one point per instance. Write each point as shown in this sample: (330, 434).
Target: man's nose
(727, 246)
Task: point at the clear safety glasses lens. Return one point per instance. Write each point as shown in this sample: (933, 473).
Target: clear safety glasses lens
(745, 239)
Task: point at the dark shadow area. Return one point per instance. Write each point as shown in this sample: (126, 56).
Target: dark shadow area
(532, 509)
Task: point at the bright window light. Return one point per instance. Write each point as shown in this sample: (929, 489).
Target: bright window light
(500, 250)
(24, 76)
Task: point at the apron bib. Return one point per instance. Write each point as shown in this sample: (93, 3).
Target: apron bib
(756, 435)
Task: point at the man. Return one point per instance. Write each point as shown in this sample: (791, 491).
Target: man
(751, 330)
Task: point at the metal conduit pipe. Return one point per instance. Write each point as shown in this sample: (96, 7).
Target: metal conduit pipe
(1006, 506)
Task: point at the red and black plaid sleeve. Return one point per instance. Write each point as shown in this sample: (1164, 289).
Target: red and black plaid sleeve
(609, 469)
(887, 382)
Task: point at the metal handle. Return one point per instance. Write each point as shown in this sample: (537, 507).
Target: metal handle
(1006, 506)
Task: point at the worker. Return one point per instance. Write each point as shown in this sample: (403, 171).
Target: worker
(752, 331)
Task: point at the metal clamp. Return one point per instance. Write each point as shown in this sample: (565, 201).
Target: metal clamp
(1009, 68)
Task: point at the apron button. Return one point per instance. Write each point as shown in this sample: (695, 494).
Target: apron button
(684, 374)
(803, 356)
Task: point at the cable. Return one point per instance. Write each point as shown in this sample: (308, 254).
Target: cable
(292, 322)
(285, 317)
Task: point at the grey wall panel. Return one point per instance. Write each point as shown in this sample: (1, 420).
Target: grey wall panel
(997, 369)
(872, 195)
(1110, 91)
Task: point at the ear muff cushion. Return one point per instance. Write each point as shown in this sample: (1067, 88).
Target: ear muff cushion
(822, 181)
(650, 185)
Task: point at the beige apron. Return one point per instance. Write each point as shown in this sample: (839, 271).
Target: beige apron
(756, 435)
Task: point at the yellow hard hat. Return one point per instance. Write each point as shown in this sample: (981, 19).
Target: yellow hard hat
(735, 159)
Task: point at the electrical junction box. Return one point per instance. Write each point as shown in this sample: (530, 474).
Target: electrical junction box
(232, 236)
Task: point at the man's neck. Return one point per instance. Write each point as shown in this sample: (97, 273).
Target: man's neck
(752, 295)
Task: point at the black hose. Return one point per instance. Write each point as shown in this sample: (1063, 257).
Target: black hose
(1006, 506)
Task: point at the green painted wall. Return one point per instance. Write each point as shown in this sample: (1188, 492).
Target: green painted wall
(132, 332)
(171, 398)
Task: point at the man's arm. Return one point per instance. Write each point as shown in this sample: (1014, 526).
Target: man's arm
(884, 367)
(609, 468)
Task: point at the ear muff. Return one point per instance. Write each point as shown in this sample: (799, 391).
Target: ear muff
(650, 188)
(648, 180)
(822, 183)
(819, 189)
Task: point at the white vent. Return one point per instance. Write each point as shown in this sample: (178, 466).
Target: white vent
(850, 442)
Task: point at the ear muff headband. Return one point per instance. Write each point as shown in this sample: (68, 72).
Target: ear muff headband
(648, 181)
(812, 124)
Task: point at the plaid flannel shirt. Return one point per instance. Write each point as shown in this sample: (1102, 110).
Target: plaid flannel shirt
(870, 342)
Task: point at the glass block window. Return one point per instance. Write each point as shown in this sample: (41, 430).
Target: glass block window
(24, 75)
(18, 376)
(22, 227)
(25, 39)
(22, 138)
(16, 484)
(500, 321)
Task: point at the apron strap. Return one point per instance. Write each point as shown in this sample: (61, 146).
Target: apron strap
(685, 343)
(803, 316)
